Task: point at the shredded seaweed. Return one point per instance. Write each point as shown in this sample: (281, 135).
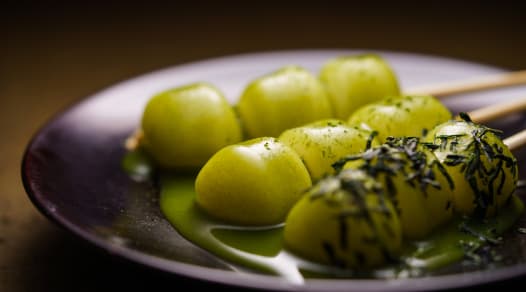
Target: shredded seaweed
(485, 181)
(463, 227)
(349, 189)
(370, 139)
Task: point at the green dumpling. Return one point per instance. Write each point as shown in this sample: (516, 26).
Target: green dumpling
(255, 182)
(414, 180)
(483, 169)
(346, 221)
(322, 143)
(354, 81)
(287, 98)
(401, 116)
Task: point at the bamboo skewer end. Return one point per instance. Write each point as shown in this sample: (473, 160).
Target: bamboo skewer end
(477, 84)
(516, 141)
(133, 141)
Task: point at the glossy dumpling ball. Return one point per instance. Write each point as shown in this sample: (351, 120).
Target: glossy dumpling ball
(354, 81)
(322, 143)
(401, 116)
(255, 182)
(183, 127)
(287, 98)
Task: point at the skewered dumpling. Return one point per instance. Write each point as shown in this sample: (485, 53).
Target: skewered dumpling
(184, 126)
(353, 81)
(401, 116)
(322, 143)
(287, 98)
(482, 167)
(255, 182)
(346, 221)
(414, 180)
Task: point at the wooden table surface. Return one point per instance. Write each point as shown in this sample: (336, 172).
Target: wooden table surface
(56, 54)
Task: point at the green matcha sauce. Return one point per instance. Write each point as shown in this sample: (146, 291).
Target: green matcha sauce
(260, 249)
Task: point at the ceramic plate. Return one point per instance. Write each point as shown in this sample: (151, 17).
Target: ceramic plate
(72, 171)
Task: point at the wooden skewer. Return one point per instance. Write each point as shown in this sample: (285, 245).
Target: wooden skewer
(492, 112)
(132, 142)
(516, 141)
(477, 84)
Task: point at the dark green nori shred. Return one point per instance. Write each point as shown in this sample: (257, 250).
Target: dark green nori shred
(453, 146)
(360, 258)
(443, 144)
(410, 177)
(463, 227)
(444, 172)
(502, 179)
(430, 145)
(513, 167)
(464, 116)
(449, 136)
(329, 250)
(473, 163)
(494, 131)
(343, 233)
(493, 175)
(509, 161)
(391, 189)
(463, 167)
(424, 132)
(338, 165)
(388, 229)
(370, 140)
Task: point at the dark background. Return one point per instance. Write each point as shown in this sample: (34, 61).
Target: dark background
(53, 53)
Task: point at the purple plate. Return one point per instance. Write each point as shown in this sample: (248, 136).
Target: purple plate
(72, 172)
